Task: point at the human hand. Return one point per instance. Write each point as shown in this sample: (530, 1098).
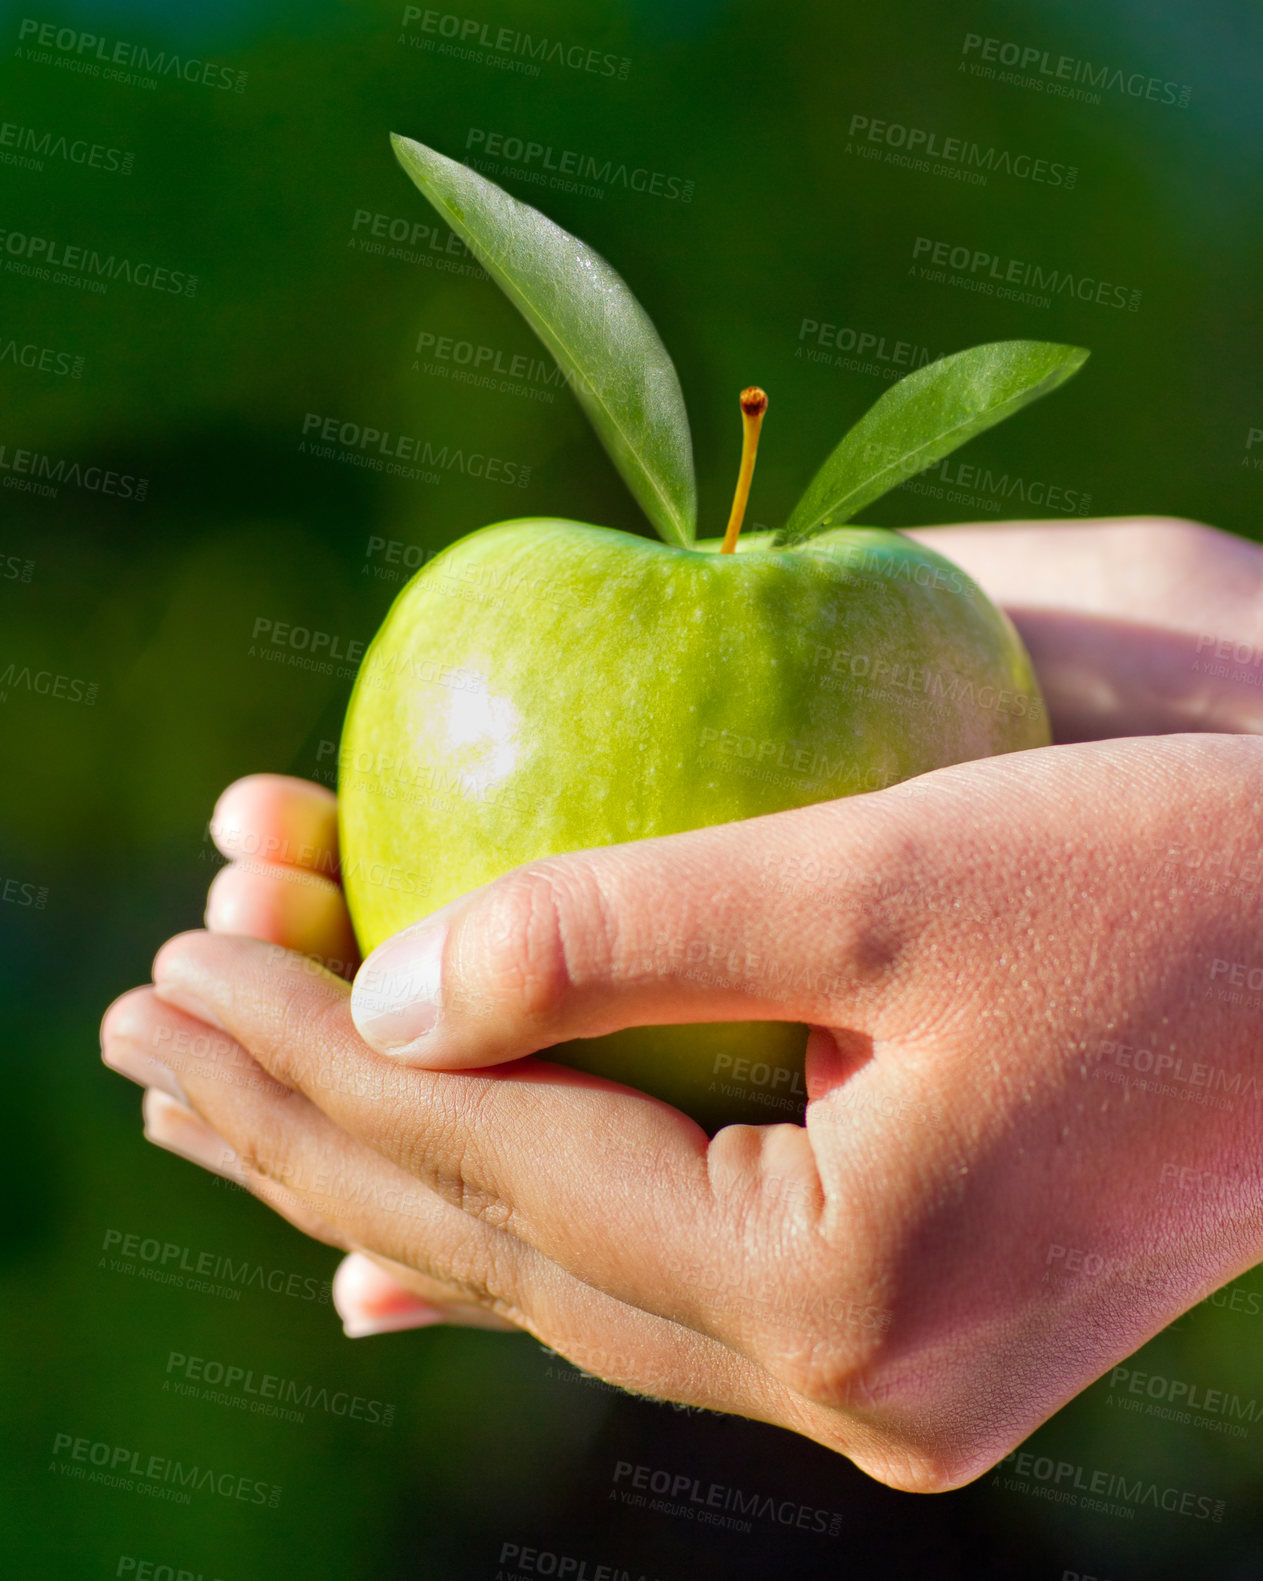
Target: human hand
(1136, 626)
(884, 1279)
(282, 885)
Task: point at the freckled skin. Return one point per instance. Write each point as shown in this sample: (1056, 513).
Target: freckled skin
(545, 686)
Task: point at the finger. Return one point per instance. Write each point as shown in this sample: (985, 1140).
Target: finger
(242, 1123)
(1127, 621)
(1161, 570)
(177, 1129)
(173, 1125)
(586, 944)
(374, 1296)
(290, 906)
(623, 1170)
(371, 1297)
(276, 818)
(286, 1145)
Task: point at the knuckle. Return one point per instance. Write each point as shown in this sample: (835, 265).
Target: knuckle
(910, 1437)
(522, 964)
(825, 1370)
(927, 1468)
(519, 943)
(466, 1265)
(486, 1207)
(443, 1152)
(902, 1424)
(267, 1150)
(828, 1343)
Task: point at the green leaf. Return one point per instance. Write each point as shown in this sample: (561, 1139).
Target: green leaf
(585, 314)
(924, 418)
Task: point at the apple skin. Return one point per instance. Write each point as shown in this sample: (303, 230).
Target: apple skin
(545, 686)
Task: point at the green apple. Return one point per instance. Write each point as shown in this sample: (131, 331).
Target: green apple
(546, 685)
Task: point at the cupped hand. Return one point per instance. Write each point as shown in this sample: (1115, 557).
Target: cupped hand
(987, 1206)
(1135, 625)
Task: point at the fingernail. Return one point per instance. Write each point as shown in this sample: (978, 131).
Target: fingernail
(420, 1316)
(395, 997)
(179, 996)
(215, 918)
(129, 1060)
(174, 1127)
(370, 1302)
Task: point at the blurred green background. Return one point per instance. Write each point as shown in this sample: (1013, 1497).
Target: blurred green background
(268, 196)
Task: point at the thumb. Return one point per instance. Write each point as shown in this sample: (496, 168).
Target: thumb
(728, 923)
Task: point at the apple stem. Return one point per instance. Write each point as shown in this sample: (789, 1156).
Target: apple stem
(753, 406)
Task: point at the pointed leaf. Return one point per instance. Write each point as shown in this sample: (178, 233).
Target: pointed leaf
(585, 314)
(924, 418)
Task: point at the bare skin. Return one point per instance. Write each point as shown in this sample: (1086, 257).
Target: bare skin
(984, 1211)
